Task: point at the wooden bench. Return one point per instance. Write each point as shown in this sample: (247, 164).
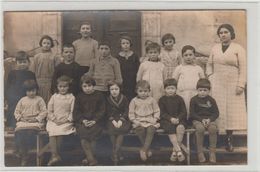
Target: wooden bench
(185, 148)
(41, 148)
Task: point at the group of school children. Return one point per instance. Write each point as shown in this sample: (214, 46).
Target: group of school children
(90, 91)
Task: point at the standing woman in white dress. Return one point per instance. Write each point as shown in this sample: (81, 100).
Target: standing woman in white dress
(226, 70)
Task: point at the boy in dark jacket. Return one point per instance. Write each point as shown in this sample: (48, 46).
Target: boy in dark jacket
(204, 112)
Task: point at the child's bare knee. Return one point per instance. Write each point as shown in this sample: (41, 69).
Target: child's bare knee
(212, 129)
(180, 128)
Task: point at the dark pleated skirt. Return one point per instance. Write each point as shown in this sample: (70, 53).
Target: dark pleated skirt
(124, 129)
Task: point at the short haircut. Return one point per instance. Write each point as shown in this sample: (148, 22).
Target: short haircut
(153, 46)
(147, 42)
(21, 55)
(104, 42)
(168, 36)
(48, 38)
(87, 80)
(187, 47)
(85, 23)
(64, 78)
(68, 45)
(112, 82)
(228, 27)
(142, 84)
(170, 82)
(29, 85)
(203, 83)
(127, 38)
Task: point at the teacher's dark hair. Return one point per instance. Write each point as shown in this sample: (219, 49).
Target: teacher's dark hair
(228, 27)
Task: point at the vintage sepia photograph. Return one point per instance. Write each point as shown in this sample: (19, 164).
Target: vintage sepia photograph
(125, 88)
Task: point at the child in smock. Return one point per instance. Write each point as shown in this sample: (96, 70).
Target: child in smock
(153, 71)
(60, 109)
(43, 66)
(118, 123)
(30, 114)
(144, 114)
(187, 75)
(169, 55)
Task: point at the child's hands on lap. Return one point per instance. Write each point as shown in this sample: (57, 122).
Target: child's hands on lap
(58, 122)
(175, 120)
(89, 123)
(32, 120)
(119, 123)
(154, 121)
(29, 119)
(206, 122)
(115, 123)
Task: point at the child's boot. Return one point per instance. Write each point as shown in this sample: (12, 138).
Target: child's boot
(115, 158)
(54, 159)
(201, 157)
(173, 157)
(143, 155)
(24, 159)
(92, 162)
(85, 161)
(180, 156)
(149, 153)
(212, 156)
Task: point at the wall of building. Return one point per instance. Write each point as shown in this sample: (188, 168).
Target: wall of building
(23, 30)
(196, 28)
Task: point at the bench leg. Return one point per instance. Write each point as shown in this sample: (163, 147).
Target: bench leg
(188, 148)
(38, 158)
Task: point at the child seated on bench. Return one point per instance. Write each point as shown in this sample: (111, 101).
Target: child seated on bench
(118, 123)
(173, 116)
(88, 116)
(60, 108)
(30, 114)
(144, 113)
(204, 112)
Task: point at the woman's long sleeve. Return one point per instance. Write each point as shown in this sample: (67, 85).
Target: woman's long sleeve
(241, 56)
(209, 66)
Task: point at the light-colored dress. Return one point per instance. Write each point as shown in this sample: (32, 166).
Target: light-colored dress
(43, 66)
(144, 112)
(227, 71)
(187, 77)
(170, 59)
(154, 73)
(34, 108)
(60, 107)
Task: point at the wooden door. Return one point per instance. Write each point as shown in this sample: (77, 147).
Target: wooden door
(107, 25)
